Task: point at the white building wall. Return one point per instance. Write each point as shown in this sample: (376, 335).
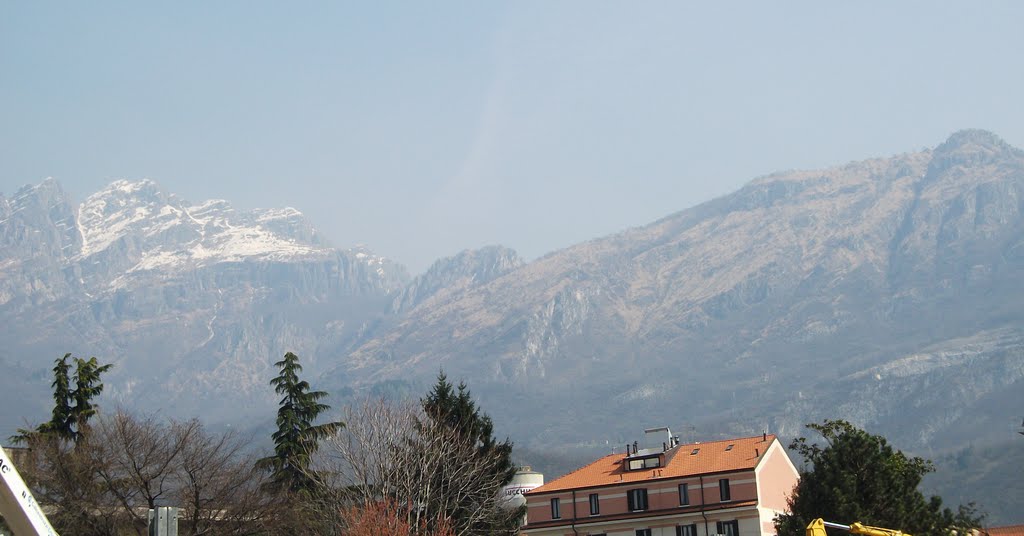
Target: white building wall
(750, 526)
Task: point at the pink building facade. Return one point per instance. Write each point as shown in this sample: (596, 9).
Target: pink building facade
(734, 487)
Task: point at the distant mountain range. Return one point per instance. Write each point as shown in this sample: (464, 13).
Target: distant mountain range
(192, 302)
(886, 292)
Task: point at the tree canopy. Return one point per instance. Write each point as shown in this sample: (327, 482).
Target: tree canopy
(88, 386)
(72, 408)
(62, 420)
(455, 410)
(458, 411)
(296, 438)
(859, 477)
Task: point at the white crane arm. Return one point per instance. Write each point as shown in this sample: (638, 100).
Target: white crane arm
(20, 510)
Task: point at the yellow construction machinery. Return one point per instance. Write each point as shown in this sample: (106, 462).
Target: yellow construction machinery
(817, 528)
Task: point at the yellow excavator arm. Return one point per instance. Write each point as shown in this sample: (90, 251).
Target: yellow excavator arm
(817, 528)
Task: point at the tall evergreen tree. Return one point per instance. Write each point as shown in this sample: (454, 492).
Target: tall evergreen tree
(296, 438)
(456, 410)
(62, 418)
(72, 408)
(858, 477)
(88, 386)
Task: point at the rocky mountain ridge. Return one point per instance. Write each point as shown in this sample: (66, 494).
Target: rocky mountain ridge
(880, 291)
(211, 291)
(452, 274)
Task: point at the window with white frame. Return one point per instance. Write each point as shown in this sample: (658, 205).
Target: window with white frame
(637, 499)
(723, 489)
(728, 528)
(644, 463)
(684, 494)
(555, 509)
(686, 530)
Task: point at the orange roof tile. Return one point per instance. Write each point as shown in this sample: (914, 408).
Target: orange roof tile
(1012, 530)
(711, 458)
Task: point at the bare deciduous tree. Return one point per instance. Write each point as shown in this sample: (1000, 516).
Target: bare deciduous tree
(64, 474)
(392, 453)
(139, 460)
(220, 488)
(124, 465)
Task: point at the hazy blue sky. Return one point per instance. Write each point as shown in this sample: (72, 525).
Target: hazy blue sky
(424, 128)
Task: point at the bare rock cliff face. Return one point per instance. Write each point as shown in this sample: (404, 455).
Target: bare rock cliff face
(786, 301)
(37, 234)
(468, 269)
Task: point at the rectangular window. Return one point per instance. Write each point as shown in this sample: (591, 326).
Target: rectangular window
(595, 506)
(637, 499)
(644, 463)
(728, 528)
(643, 532)
(686, 530)
(684, 494)
(555, 510)
(723, 489)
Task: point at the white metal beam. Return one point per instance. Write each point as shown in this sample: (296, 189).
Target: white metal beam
(20, 510)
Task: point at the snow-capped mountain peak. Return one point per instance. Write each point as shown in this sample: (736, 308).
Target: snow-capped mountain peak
(135, 236)
(162, 230)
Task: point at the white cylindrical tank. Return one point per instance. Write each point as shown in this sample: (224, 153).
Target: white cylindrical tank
(525, 480)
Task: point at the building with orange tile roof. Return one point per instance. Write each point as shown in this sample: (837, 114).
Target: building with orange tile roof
(1010, 530)
(734, 487)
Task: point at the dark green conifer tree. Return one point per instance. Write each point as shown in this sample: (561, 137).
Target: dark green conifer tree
(62, 419)
(858, 477)
(88, 385)
(296, 438)
(456, 410)
(72, 408)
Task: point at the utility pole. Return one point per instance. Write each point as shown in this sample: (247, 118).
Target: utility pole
(20, 510)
